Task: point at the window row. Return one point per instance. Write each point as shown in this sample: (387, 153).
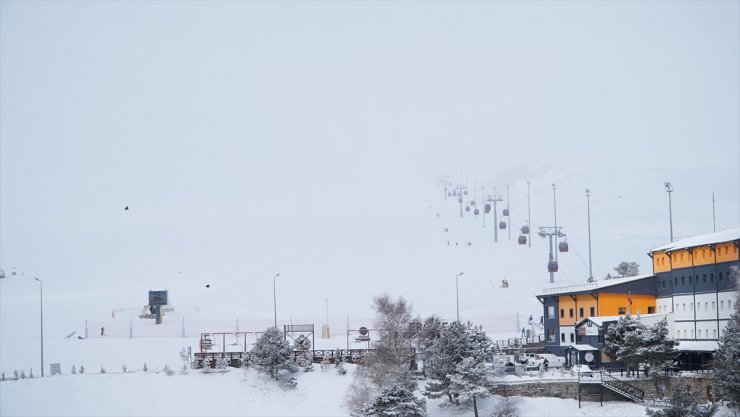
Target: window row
(692, 280)
(682, 307)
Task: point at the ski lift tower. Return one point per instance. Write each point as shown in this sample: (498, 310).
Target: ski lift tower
(461, 189)
(552, 264)
(495, 197)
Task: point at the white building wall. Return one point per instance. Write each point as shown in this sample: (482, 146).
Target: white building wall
(569, 332)
(683, 307)
(684, 330)
(664, 305)
(706, 307)
(726, 304)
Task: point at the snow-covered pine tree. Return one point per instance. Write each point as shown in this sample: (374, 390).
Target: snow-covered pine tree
(82, 369)
(30, 373)
(272, 353)
(657, 346)
(16, 375)
(2, 378)
(102, 369)
(684, 403)
(396, 400)
(470, 381)
(144, 368)
(430, 330)
(447, 351)
(74, 369)
(23, 374)
(622, 341)
(123, 368)
(727, 363)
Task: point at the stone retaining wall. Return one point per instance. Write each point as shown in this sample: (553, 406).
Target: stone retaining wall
(654, 388)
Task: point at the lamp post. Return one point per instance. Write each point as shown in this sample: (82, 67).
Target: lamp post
(274, 297)
(669, 190)
(457, 293)
(41, 287)
(588, 205)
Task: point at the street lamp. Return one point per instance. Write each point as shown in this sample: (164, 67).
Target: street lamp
(669, 190)
(41, 286)
(274, 297)
(457, 294)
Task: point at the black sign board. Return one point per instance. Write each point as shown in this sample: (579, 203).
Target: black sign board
(157, 298)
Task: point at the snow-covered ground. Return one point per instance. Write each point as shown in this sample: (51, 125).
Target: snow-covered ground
(236, 392)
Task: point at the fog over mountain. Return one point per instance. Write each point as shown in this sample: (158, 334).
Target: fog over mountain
(311, 139)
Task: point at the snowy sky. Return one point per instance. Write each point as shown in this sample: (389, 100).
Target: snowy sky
(251, 138)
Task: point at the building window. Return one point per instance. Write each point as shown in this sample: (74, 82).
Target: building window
(580, 312)
(690, 280)
(592, 311)
(683, 305)
(720, 276)
(562, 313)
(722, 305)
(621, 310)
(675, 281)
(714, 333)
(651, 310)
(663, 281)
(572, 338)
(683, 280)
(699, 335)
(678, 334)
(705, 278)
(698, 306)
(712, 305)
(691, 306)
(550, 335)
(711, 277)
(562, 337)
(684, 333)
(550, 312)
(706, 305)
(570, 313)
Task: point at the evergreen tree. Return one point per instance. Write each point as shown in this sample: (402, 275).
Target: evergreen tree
(470, 381)
(456, 364)
(394, 401)
(447, 351)
(657, 346)
(727, 363)
(272, 353)
(684, 403)
(430, 330)
(623, 340)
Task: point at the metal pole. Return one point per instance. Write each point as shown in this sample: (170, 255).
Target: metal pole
(508, 209)
(274, 297)
(588, 205)
(495, 222)
(714, 217)
(669, 190)
(555, 209)
(41, 304)
(552, 274)
(457, 294)
(529, 218)
(484, 206)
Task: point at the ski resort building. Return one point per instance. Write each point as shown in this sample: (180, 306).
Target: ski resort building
(695, 283)
(692, 286)
(564, 307)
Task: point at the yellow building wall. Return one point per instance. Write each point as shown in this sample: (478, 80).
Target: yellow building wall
(661, 263)
(703, 255)
(585, 301)
(565, 303)
(609, 303)
(681, 259)
(726, 252)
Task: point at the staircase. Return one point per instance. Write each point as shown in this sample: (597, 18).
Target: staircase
(622, 388)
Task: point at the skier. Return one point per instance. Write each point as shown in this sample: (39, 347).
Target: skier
(545, 364)
(102, 331)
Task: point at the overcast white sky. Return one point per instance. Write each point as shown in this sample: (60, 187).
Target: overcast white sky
(244, 131)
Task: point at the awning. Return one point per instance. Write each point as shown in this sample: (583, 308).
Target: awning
(697, 345)
(582, 348)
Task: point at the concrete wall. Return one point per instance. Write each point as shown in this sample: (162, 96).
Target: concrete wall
(654, 387)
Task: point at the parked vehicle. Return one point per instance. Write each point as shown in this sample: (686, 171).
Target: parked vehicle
(552, 360)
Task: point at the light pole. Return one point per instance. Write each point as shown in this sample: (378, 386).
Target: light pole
(669, 190)
(274, 297)
(457, 294)
(588, 205)
(41, 286)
